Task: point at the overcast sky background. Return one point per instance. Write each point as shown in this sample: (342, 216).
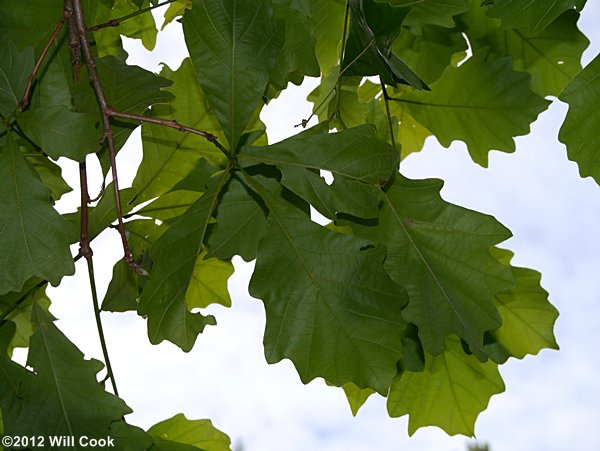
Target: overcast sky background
(552, 401)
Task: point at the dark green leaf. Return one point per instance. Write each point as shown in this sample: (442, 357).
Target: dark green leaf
(34, 238)
(449, 393)
(60, 132)
(15, 67)
(234, 45)
(241, 223)
(440, 253)
(163, 299)
(55, 399)
(579, 131)
(373, 29)
(358, 161)
(297, 57)
(330, 307)
(484, 104)
(49, 172)
(122, 292)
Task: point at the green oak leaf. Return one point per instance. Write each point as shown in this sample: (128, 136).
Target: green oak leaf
(432, 12)
(60, 132)
(175, 10)
(209, 282)
(34, 238)
(297, 56)
(450, 392)
(49, 172)
(358, 161)
(331, 309)
(21, 314)
(234, 46)
(15, 67)
(141, 26)
(440, 253)
(170, 205)
(527, 316)
(31, 22)
(373, 29)
(128, 89)
(55, 399)
(241, 223)
(328, 23)
(169, 155)
(356, 396)
(552, 57)
(533, 15)
(163, 299)
(482, 103)
(431, 51)
(122, 292)
(200, 434)
(579, 131)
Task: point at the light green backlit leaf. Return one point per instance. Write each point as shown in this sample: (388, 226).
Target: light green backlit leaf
(532, 15)
(579, 131)
(449, 393)
(200, 434)
(484, 104)
(527, 316)
(169, 155)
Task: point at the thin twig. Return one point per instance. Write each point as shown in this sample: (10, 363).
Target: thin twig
(25, 99)
(86, 251)
(109, 370)
(117, 22)
(107, 135)
(172, 124)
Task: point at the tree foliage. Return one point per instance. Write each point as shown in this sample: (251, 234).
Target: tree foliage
(402, 294)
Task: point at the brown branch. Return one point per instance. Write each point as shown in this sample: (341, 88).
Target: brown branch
(171, 124)
(107, 135)
(117, 22)
(74, 44)
(25, 99)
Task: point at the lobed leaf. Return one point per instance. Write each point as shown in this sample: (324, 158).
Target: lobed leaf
(484, 104)
(449, 393)
(440, 253)
(169, 155)
(34, 238)
(330, 307)
(233, 45)
(175, 253)
(200, 434)
(55, 399)
(527, 316)
(358, 161)
(533, 16)
(579, 131)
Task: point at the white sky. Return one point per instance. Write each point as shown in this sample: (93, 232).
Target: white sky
(552, 401)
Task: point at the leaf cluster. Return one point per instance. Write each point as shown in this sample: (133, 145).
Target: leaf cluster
(401, 293)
